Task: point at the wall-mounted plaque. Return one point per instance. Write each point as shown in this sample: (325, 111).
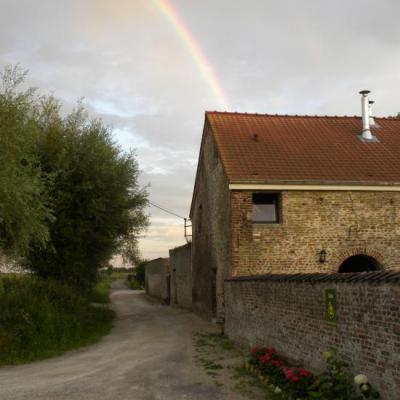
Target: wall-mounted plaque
(330, 305)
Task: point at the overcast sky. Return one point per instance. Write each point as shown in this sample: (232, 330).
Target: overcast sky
(135, 71)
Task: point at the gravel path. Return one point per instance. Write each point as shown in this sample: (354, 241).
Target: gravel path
(148, 355)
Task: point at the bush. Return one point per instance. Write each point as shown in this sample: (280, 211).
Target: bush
(288, 383)
(42, 318)
(140, 272)
(101, 292)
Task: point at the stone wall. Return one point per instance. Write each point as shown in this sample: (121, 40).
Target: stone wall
(342, 223)
(157, 279)
(211, 247)
(288, 312)
(181, 275)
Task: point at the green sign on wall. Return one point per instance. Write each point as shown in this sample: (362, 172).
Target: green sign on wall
(330, 305)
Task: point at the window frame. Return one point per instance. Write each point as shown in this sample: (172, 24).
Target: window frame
(278, 208)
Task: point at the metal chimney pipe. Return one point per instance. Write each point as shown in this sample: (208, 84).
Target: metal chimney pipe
(366, 132)
(371, 117)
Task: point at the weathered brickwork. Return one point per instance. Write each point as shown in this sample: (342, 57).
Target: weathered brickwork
(211, 247)
(181, 275)
(157, 279)
(291, 316)
(342, 223)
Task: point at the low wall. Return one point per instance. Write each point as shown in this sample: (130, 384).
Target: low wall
(157, 279)
(289, 312)
(181, 275)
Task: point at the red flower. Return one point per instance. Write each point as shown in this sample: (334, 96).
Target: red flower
(288, 372)
(303, 372)
(265, 358)
(254, 350)
(294, 378)
(277, 363)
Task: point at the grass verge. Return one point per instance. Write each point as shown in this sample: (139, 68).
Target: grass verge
(43, 318)
(101, 292)
(224, 363)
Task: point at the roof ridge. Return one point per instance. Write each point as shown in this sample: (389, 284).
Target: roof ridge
(292, 115)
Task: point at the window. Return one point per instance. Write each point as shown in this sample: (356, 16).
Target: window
(266, 208)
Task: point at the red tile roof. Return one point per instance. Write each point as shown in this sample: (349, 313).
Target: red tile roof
(305, 149)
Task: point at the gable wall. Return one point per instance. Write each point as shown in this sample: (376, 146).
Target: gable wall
(341, 223)
(157, 279)
(211, 252)
(181, 275)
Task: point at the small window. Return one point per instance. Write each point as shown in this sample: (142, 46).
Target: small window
(266, 208)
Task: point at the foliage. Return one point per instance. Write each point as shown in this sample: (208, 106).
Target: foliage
(134, 284)
(24, 203)
(69, 197)
(140, 272)
(95, 196)
(42, 318)
(287, 383)
(101, 292)
(336, 383)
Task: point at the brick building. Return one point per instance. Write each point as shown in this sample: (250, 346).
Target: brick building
(291, 194)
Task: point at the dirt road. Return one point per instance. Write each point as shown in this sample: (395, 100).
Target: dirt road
(148, 355)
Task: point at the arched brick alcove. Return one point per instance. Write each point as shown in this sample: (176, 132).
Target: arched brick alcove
(360, 260)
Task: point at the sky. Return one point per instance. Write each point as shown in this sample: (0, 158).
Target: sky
(151, 68)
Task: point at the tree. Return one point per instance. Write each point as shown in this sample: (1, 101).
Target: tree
(96, 199)
(69, 196)
(25, 210)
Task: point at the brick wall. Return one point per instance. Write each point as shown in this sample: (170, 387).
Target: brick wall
(181, 275)
(157, 279)
(211, 247)
(289, 313)
(341, 223)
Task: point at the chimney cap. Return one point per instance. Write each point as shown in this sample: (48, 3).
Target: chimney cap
(365, 91)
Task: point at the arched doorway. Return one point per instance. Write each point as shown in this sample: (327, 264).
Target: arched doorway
(360, 263)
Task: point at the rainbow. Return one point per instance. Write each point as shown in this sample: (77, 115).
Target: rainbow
(194, 49)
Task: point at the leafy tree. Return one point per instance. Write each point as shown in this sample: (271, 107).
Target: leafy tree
(95, 195)
(69, 196)
(24, 204)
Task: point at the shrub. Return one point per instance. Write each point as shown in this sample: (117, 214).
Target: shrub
(41, 318)
(287, 382)
(140, 272)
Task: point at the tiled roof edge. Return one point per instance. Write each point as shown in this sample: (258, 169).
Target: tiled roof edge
(295, 115)
(356, 277)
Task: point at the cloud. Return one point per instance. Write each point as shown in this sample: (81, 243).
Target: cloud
(309, 57)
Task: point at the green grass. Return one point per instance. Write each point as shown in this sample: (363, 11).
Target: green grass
(134, 285)
(43, 318)
(101, 292)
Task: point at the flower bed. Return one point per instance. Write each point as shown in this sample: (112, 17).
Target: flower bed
(296, 383)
